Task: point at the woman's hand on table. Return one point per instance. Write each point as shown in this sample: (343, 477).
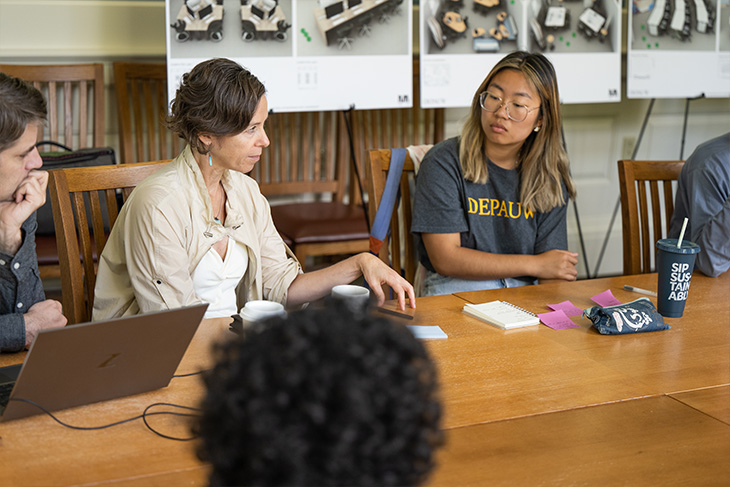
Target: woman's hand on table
(376, 273)
(317, 284)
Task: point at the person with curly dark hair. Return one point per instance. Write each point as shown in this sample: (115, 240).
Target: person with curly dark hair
(321, 398)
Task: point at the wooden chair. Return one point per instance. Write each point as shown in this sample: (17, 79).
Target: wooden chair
(311, 155)
(306, 160)
(647, 204)
(141, 94)
(398, 127)
(398, 250)
(76, 193)
(75, 98)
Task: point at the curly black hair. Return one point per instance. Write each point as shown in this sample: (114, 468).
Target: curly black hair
(321, 398)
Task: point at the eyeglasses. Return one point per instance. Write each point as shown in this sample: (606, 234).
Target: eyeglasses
(492, 103)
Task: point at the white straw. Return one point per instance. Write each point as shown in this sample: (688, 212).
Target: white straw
(681, 234)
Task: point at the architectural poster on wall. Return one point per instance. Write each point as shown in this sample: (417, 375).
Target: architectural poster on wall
(678, 49)
(461, 40)
(310, 54)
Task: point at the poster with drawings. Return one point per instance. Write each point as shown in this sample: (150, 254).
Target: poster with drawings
(461, 40)
(678, 49)
(310, 54)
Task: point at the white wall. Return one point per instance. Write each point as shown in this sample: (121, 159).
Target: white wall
(64, 31)
(83, 31)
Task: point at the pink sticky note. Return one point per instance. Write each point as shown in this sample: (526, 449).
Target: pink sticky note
(557, 320)
(569, 308)
(606, 298)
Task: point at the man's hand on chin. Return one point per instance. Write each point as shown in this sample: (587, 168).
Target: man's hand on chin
(30, 195)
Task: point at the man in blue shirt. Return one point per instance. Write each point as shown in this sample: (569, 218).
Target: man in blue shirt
(24, 311)
(703, 197)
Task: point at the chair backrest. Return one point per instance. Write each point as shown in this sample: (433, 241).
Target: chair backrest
(75, 97)
(141, 94)
(647, 204)
(303, 155)
(398, 250)
(76, 195)
(319, 144)
(397, 127)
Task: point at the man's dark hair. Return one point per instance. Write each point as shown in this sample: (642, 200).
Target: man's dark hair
(20, 104)
(322, 398)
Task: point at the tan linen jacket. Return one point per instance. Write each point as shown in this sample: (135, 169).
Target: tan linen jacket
(165, 228)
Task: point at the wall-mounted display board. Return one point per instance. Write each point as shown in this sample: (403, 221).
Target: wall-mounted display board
(310, 54)
(678, 49)
(461, 40)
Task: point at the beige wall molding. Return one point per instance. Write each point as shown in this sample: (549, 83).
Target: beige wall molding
(34, 30)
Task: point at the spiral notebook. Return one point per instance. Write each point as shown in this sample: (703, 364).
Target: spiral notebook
(502, 314)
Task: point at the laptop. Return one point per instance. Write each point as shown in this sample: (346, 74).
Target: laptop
(80, 364)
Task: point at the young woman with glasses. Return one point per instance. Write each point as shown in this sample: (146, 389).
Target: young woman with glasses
(490, 205)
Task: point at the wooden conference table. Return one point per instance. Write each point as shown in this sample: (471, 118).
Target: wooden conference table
(531, 406)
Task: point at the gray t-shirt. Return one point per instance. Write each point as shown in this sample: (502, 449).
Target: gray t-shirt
(703, 197)
(488, 216)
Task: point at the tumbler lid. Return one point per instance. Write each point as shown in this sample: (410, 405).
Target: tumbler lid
(670, 245)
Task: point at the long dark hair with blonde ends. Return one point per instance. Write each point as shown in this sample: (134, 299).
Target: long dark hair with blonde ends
(542, 160)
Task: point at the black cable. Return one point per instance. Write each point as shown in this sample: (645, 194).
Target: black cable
(142, 416)
(145, 414)
(190, 374)
(356, 168)
(684, 128)
(575, 210)
(83, 428)
(580, 238)
(618, 201)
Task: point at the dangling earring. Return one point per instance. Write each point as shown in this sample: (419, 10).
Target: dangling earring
(210, 160)
(536, 129)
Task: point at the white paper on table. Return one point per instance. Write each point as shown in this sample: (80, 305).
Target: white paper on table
(427, 332)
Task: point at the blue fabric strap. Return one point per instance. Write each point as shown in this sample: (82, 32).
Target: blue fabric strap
(387, 202)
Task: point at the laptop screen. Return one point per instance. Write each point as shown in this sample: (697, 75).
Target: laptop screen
(91, 362)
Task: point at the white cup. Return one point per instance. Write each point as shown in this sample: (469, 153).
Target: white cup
(356, 297)
(258, 310)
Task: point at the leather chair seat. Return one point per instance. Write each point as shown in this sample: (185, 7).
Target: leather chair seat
(320, 222)
(47, 251)
(45, 247)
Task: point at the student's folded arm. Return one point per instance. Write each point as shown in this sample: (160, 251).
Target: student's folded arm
(449, 258)
(556, 262)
